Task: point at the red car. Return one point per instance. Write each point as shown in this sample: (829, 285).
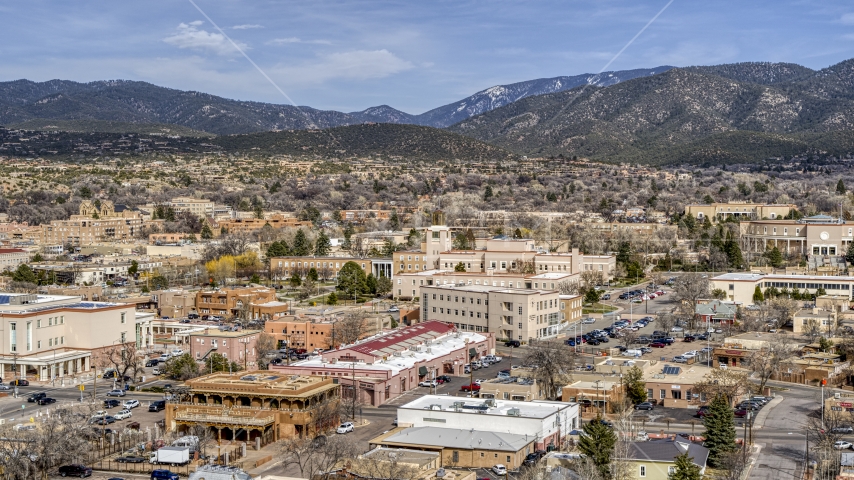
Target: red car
(740, 413)
(657, 345)
(470, 388)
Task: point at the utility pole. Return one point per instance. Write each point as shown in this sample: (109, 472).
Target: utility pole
(598, 382)
(245, 359)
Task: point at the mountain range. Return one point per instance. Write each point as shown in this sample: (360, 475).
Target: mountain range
(723, 113)
(23, 102)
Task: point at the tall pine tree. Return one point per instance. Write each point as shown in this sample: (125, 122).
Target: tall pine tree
(720, 429)
(598, 444)
(840, 187)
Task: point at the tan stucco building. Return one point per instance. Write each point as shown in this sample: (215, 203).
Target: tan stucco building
(739, 211)
(257, 404)
(518, 314)
(93, 225)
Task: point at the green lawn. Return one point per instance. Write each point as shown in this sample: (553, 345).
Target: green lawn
(597, 308)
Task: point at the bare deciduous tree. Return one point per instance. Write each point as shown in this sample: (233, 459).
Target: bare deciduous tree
(349, 328)
(772, 359)
(554, 363)
(687, 289)
(728, 383)
(665, 321)
(265, 345)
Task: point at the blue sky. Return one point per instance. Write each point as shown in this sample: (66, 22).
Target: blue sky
(412, 55)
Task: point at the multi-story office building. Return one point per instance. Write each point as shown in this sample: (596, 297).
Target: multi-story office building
(52, 336)
(93, 225)
(739, 211)
(197, 206)
(517, 314)
(327, 267)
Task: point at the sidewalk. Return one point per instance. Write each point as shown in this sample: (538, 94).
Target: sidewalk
(763, 414)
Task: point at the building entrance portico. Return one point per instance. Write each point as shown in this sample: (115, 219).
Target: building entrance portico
(46, 366)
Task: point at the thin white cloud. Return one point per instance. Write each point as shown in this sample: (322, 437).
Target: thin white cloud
(847, 19)
(188, 36)
(247, 26)
(353, 65)
(288, 40)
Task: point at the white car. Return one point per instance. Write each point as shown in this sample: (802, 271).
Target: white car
(428, 383)
(842, 445)
(116, 393)
(499, 469)
(393, 308)
(123, 415)
(128, 404)
(707, 349)
(176, 352)
(479, 381)
(99, 414)
(588, 320)
(676, 329)
(345, 427)
(680, 359)
(691, 353)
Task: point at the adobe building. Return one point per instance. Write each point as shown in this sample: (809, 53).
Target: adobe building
(386, 366)
(256, 404)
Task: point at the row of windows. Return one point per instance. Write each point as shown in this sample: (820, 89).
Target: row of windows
(471, 328)
(60, 320)
(463, 314)
(457, 299)
(810, 286)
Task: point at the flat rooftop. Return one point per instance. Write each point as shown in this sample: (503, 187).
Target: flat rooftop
(459, 439)
(488, 289)
(215, 332)
(462, 405)
(753, 277)
(259, 382)
(30, 302)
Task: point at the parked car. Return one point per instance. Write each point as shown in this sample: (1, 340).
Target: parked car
(345, 427)
(470, 387)
(428, 383)
(588, 320)
(116, 393)
(702, 411)
(46, 401)
(106, 420)
(443, 379)
(152, 362)
(607, 296)
(689, 338)
(163, 475)
(603, 422)
(75, 470)
(842, 430)
(841, 445)
(645, 406)
(122, 415)
(680, 359)
(513, 343)
(157, 406)
(657, 345)
(393, 308)
(740, 413)
(677, 329)
(499, 469)
(111, 403)
(128, 404)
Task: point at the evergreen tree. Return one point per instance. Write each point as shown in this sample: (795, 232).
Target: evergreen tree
(371, 284)
(206, 233)
(733, 251)
(278, 249)
(635, 385)
(517, 233)
(774, 256)
(624, 254)
(322, 246)
(24, 274)
(348, 233)
(295, 280)
(134, 268)
(720, 429)
(598, 444)
(312, 274)
(849, 254)
(840, 187)
(351, 280)
(394, 221)
(757, 295)
(685, 469)
(460, 267)
(332, 299)
(384, 285)
(487, 194)
(302, 247)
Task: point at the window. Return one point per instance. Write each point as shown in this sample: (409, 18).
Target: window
(39, 323)
(671, 470)
(39, 344)
(123, 317)
(662, 394)
(649, 393)
(13, 337)
(520, 310)
(642, 472)
(29, 336)
(456, 456)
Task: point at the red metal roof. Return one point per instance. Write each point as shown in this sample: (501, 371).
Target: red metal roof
(402, 339)
(11, 250)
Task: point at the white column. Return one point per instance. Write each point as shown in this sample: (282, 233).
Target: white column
(23, 373)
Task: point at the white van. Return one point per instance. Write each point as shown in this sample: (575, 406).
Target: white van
(632, 353)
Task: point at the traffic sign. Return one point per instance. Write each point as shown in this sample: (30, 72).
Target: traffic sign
(82, 387)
